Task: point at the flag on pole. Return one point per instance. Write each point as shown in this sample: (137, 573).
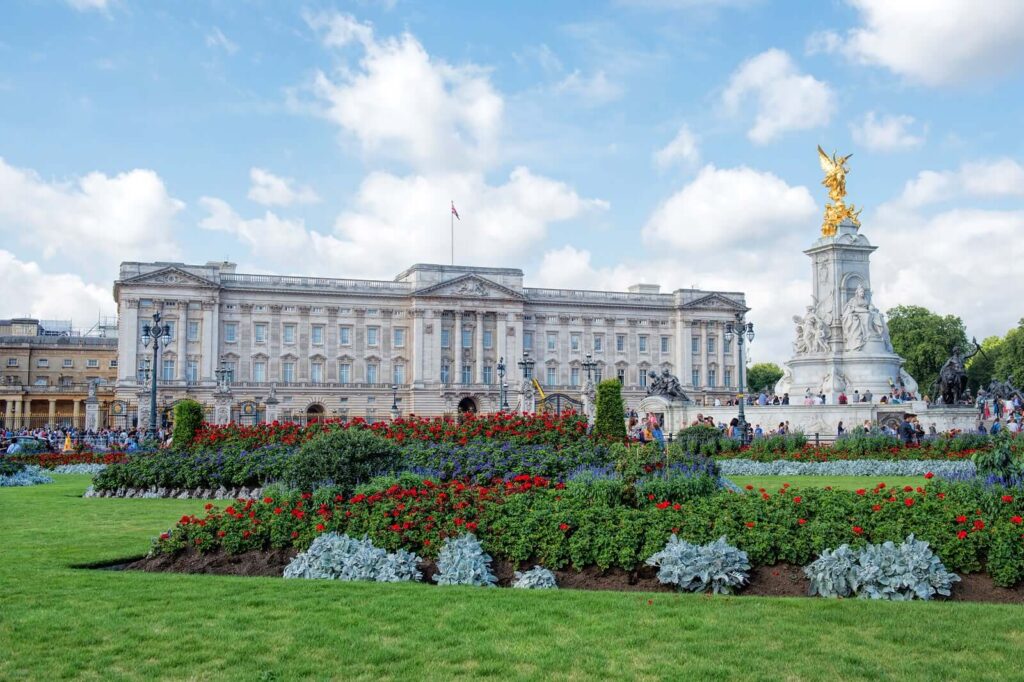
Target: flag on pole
(455, 213)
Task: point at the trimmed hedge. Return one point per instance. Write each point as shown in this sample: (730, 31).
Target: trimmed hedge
(609, 422)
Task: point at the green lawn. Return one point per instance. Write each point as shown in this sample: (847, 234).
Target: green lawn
(773, 483)
(59, 622)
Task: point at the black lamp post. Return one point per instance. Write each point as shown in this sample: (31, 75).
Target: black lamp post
(160, 335)
(502, 398)
(741, 330)
(223, 375)
(589, 365)
(526, 365)
(394, 401)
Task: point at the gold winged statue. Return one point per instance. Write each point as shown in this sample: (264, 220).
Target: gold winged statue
(835, 179)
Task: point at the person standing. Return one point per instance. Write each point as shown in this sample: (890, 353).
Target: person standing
(840, 430)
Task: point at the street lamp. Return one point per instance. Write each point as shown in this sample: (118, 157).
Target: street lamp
(502, 397)
(394, 402)
(589, 365)
(526, 365)
(223, 375)
(160, 335)
(741, 330)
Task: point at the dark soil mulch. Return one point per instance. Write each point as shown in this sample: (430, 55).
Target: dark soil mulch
(781, 580)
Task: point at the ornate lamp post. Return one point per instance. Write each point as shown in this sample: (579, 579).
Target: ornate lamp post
(526, 365)
(160, 335)
(588, 366)
(742, 329)
(502, 397)
(394, 402)
(223, 375)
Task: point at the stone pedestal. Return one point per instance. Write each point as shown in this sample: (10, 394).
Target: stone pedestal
(92, 414)
(272, 410)
(673, 414)
(588, 398)
(222, 407)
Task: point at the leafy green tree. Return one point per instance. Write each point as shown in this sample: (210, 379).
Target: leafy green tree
(610, 420)
(924, 339)
(763, 375)
(1011, 355)
(981, 369)
(188, 417)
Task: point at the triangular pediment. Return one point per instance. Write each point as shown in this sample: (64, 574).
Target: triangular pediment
(468, 286)
(715, 302)
(170, 276)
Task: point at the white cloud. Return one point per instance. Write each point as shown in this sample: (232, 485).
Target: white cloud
(682, 149)
(395, 221)
(936, 42)
(87, 5)
(1000, 178)
(272, 190)
(96, 221)
(595, 89)
(727, 206)
(402, 103)
(30, 291)
(886, 133)
(786, 98)
(216, 38)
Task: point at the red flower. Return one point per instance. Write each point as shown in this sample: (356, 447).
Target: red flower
(268, 500)
(929, 475)
(857, 530)
(1007, 498)
(307, 496)
(677, 506)
(1016, 520)
(961, 519)
(979, 524)
(164, 536)
(861, 491)
(221, 533)
(909, 501)
(797, 500)
(184, 520)
(662, 505)
(459, 521)
(471, 525)
(749, 487)
(961, 534)
(876, 507)
(563, 527)
(908, 488)
(246, 534)
(277, 510)
(881, 485)
(941, 496)
(801, 521)
(650, 497)
(208, 506)
(750, 524)
(199, 541)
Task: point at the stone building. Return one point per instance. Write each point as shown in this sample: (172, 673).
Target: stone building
(47, 368)
(428, 341)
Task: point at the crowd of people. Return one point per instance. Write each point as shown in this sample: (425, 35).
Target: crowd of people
(13, 441)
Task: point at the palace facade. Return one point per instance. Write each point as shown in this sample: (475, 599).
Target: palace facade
(252, 346)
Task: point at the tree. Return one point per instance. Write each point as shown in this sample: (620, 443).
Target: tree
(981, 369)
(763, 376)
(188, 416)
(924, 339)
(610, 419)
(1011, 355)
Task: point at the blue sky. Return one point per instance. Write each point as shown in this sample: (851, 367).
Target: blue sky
(593, 144)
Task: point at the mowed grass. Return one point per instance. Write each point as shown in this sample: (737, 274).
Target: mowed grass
(773, 483)
(58, 622)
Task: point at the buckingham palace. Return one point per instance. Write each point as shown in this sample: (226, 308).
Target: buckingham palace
(437, 339)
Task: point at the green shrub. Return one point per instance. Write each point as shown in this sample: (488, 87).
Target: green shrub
(610, 422)
(1000, 460)
(701, 439)
(188, 417)
(343, 458)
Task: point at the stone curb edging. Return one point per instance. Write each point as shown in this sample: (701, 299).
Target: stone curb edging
(153, 492)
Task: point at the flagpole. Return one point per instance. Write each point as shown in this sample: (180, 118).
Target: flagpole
(451, 219)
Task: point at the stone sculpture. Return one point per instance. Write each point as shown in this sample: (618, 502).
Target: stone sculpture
(665, 385)
(952, 381)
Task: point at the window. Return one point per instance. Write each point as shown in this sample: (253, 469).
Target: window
(598, 374)
(113, 363)
(488, 374)
(345, 373)
(168, 370)
(527, 340)
(726, 346)
(727, 377)
(620, 374)
(552, 340)
(642, 377)
(695, 377)
(192, 329)
(259, 371)
(711, 377)
(445, 373)
(289, 334)
(620, 343)
(446, 338)
(92, 363)
(229, 366)
(66, 381)
(68, 363)
(42, 362)
(317, 334)
(398, 340)
(192, 371)
(574, 342)
(288, 372)
(695, 344)
(371, 337)
(598, 343)
(12, 362)
(488, 339)
(173, 326)
(643, 343)
(528, 372)
(230, 332)
(398, 374)
(711, 345)
(467, 374)
(552, 378)
(260, 332)
(42, 381)
(664, 344)
(345, 336)
(574, 376)
(467, 339)
(316, 372)
(371, 373)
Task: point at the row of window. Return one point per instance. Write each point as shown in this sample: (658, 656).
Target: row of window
(63, 381)
(66, 363)
(317, 334)
(576, 342)
(695, 345)
(712, 378)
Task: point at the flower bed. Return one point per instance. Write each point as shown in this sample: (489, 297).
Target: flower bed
(962, 470)
(14, 477)
(544, 429)
(57, 459)
(613, 524)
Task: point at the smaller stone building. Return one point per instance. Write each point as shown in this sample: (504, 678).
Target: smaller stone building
(47, 368)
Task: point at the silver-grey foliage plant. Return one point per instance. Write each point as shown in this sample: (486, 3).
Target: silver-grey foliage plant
(339, 557)
(537, 578)
(716, 566)
(462, 561)
(888, 571)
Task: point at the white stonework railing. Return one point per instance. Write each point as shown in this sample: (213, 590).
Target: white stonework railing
(285, 281)
(598, 296)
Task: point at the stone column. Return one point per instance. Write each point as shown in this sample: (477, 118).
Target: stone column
(418, 351)
(182, 342)
(501, 340)
(704, 354)
(271, 410)
(9, 414)
(92, 414)
(686, 365)
(128, 339)
(332, 352)
(208, 362)
(75, 411)
(435, 364)
(457, 347)
(720, 347)
(479, 336)
(52, 413)
(26, 416)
